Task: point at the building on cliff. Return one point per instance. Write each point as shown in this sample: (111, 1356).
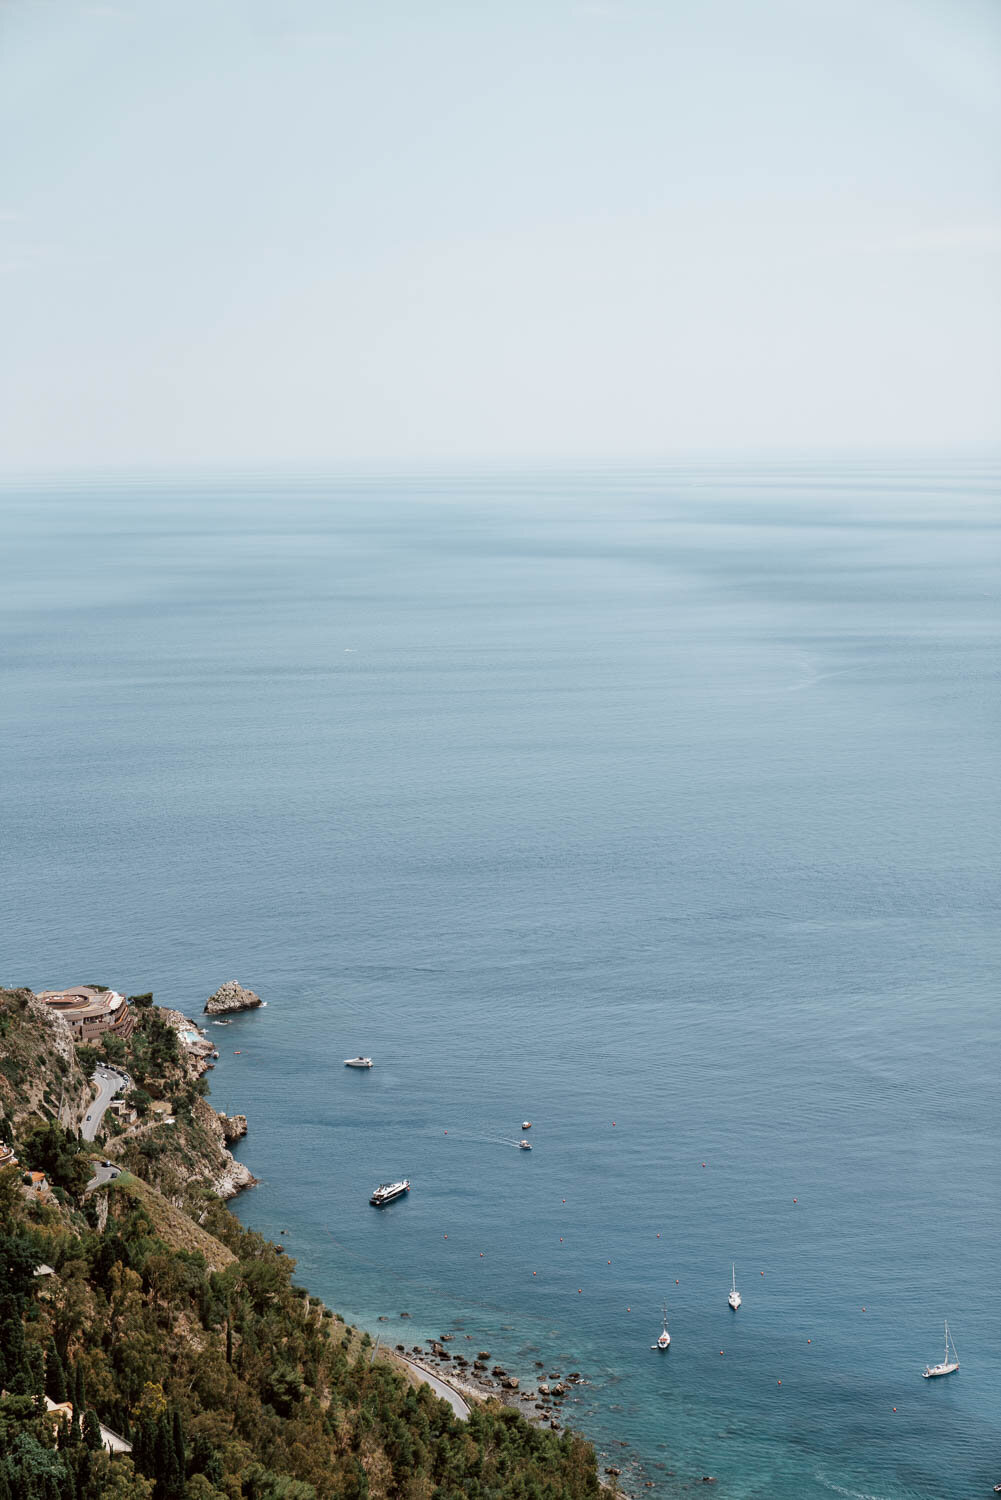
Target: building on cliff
(91, 1013)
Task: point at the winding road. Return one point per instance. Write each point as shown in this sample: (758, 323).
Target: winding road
(109, 1082)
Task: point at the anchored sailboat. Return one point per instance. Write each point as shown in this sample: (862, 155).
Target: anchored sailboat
(733, 1296)
(664, 1341)
(948, 1365)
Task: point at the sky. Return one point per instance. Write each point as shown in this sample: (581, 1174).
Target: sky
(286, 231)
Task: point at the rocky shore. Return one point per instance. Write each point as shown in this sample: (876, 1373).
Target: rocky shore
(229, 997)
(473, 1376)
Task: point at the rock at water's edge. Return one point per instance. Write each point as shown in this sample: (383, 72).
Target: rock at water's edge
(233, 1126)
(231, 996)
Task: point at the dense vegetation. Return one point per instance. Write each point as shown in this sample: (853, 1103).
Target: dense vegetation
(230, 1383)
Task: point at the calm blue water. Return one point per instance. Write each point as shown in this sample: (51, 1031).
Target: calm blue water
(662, 798)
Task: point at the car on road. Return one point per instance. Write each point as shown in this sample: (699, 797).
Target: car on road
(107, 1164)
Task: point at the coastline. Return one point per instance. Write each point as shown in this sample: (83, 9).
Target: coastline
(540, 1403)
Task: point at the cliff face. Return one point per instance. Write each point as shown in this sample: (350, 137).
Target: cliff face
(40, 1077)
(231, 996)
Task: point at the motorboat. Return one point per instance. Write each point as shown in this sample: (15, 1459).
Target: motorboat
(733, 1296)
(526, 1124)
(386, 1192)
(524, 1145)
(357, 1062)
(948, 1366)
(664, 1339)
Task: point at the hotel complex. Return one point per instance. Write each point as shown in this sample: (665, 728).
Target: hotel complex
(91, 1012)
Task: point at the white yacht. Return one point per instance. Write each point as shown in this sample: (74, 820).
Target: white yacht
(526, 1124)
(664, 1341)
(387, 1191)
(948, 1365)
(733, 1296)
(357, 1062)
(525, 1145)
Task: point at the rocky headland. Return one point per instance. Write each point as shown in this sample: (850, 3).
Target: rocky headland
(231, 996)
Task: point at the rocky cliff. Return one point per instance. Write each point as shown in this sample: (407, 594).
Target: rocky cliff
(40, 1077)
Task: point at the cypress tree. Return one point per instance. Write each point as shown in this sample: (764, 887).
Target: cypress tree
(79, 1391)
(55, 1375)
(178, 1437)
(92, 1432)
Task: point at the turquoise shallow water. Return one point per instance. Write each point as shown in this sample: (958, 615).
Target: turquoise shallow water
(661, 798)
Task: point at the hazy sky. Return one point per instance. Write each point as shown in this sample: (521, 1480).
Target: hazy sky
(392, 229)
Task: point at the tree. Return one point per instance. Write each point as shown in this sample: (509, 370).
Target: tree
(92, 1439)
(56, 1152)
(55, 1375)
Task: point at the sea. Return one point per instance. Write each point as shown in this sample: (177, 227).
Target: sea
(657, 806)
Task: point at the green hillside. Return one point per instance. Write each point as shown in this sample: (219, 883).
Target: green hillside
(193, 1342)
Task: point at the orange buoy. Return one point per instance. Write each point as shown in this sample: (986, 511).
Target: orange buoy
(658, 1236)
(780, 1382)
(613, 1124)
(795, 1200)
(580, 1291)
(446, 1236)
(609, 1262)
(894, 1408)
(809, 1341)
(481, 1255)
(721, 1351)
(676, 1281)
(628, 1309)
(535, 1273)
(703, 1163)
(762, 1273)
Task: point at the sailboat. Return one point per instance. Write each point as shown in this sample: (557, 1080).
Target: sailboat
(733, 1296)
(948, 1365)
(664, 1341)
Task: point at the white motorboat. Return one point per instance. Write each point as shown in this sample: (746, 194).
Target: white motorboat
(948, 1365)
(526, 1124)
(664, 1340)
(733, 1296)
(387, 1191)
(524, 1145)
(357, 1062)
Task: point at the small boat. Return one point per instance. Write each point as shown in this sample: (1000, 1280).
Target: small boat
(664, 1340)
(526, 1124)
(733, 1296)
(387, 1191)
(948, 1365)
(357, 1062)
(524, 1145)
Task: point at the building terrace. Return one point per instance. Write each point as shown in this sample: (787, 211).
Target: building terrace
(90, 1011)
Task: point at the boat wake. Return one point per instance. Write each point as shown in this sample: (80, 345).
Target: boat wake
(840, 1489)
(495, 1140)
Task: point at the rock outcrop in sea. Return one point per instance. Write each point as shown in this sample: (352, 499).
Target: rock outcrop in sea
(233, 1126)
(231, 996)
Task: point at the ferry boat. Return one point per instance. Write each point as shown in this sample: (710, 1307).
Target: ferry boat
(387, 1191)
(524, 1145)
(733, 1296)
(948, 1365)
(357, 1062)
(664, 1340)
